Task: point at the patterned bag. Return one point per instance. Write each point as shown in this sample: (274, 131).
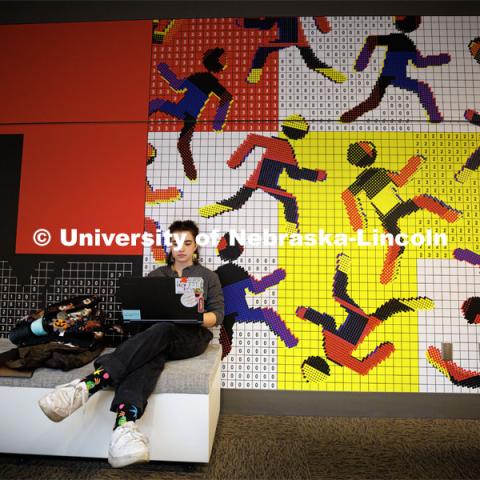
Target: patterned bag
(77, 320)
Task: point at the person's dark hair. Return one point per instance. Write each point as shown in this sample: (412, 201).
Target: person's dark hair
(211, 59)
(184, 226)
(227, 251)
(407, 24)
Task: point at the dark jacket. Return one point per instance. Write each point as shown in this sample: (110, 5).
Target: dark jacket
(50, 355)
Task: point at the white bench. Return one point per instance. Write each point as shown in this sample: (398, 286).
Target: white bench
(180, 419)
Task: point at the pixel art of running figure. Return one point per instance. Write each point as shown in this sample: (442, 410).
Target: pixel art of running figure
(340, 343)
(197, 89)
(455, 373)
(235, 281)
(155, 197)
(473, 162)
(400, 50)
(290, 34)
(279, 156)
(380, 187)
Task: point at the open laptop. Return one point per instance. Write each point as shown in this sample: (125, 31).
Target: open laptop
(147, 300)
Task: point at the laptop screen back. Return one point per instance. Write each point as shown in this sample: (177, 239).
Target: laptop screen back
(157, 299)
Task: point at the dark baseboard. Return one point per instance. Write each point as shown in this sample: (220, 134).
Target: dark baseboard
(347, 404)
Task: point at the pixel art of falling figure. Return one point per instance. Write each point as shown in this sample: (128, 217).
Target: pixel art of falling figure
(473, 162)
(279, 156)
(456, 374)
(379, 185)
(197, 89)
(235, 281)
(340, 343)
(400, 50)
(155, 197)
(290, 34)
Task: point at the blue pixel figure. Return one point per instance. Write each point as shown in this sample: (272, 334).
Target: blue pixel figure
(197, 89)
(400, 51)
(235, 281)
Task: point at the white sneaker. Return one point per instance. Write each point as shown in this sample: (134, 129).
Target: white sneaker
(64, 400)
(127, 445)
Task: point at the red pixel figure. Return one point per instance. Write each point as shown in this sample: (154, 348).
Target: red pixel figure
(279, 156)
(341, 342)
(380, 186)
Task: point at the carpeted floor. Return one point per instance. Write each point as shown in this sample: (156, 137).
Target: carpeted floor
(261, 447)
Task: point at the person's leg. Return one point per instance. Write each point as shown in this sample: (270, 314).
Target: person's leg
(436, 206)
(233, 203)
(373, 101)
(185, 148)
(273, 321)
(137, 351)
(394, 251)
(425, 95)
(314, 63)
(226, 333)
(364, 365)
(258, 63)
(110, 369)
(128, 445)
(290, 209)
(137, 384)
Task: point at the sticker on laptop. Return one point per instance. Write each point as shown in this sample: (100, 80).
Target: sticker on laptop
(188, 299)
(191, 283)
(191, 290)
(132, 314)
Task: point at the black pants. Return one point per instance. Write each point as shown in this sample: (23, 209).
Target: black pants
(136, 365)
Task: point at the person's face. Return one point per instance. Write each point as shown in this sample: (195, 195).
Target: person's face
(185, 253)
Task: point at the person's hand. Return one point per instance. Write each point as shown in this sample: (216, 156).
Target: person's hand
(209, 319)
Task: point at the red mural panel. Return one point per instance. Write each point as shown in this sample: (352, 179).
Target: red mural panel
(74, 72)
(78, 174)
(183, 44)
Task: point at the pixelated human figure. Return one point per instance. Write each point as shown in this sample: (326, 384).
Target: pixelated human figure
(466, 255)
(290, 34)
(235, 281)
(400, 50)
(155, 197)
(197, 89)
(279, 156)
(341, 342)
(380, 187)
(473, 162)
(456, 374)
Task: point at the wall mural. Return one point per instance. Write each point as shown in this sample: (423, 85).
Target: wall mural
(322, 140)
